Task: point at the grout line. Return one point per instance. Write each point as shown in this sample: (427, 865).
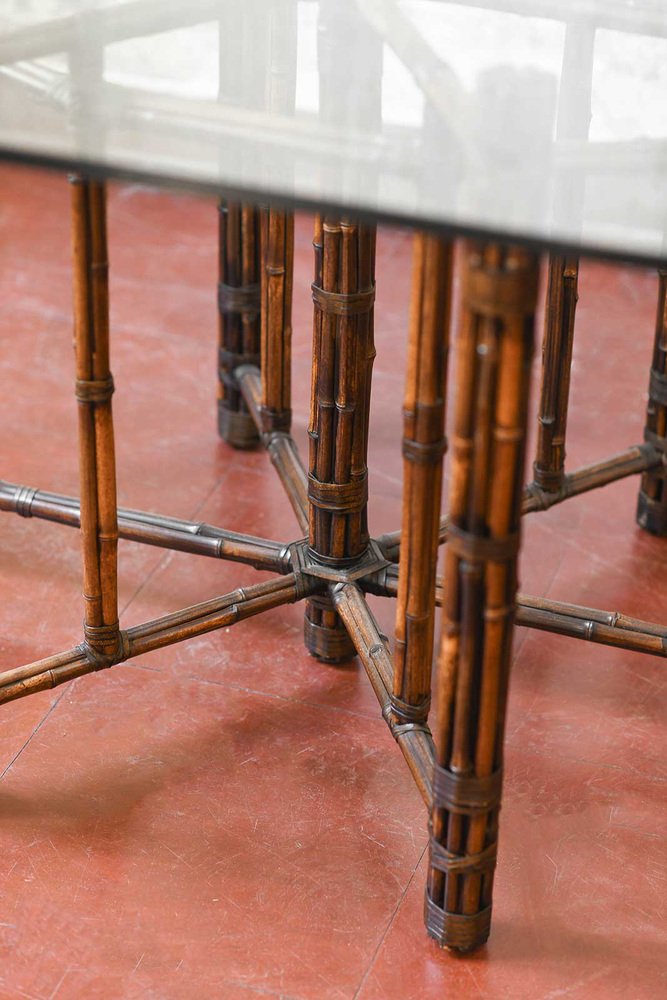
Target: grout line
(159, 565)
(169, 553)
(255, 691)
(32, 734)
(389, 926)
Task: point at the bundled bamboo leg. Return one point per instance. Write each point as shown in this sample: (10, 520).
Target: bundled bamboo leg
(268, 395)
(423, 448)
(343, 353)
(238, 316)
(549, 466)
(488, 448)
(94, 387)
(652, 504)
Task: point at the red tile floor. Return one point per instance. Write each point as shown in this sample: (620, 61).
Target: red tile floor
(228, 818)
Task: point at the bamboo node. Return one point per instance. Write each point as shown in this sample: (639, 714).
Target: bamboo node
(94, 390)
(23, 501)
(424, 454)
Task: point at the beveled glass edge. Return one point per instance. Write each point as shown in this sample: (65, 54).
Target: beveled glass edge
(450, 230)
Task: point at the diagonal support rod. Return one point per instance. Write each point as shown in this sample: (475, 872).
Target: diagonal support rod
(414, 739)
(280, 446)
(221, 612)
(637, 459)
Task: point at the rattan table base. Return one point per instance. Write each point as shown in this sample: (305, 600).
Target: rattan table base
(334, 562)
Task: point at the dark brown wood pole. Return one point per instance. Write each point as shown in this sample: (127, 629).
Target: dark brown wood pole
(343, 354)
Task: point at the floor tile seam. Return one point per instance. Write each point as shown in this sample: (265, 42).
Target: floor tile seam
(389, 925)
(159, 565)
(169, 553)
(261, 694)
(260, 990)
(34, 732)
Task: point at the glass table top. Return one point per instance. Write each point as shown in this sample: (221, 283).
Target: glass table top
(540, 119)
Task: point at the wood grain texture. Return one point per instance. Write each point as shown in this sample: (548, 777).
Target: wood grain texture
(423, 449)
(94, 388)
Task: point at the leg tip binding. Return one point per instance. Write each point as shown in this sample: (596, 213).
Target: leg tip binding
(652, 515)
(237, 428)
(330, 645)
(458, 932)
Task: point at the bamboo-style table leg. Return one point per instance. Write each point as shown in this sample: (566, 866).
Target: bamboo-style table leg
(276, 321)
(94, 387)
(343, 354)
(652, 504)
(561, 303)
(488, 447)
(423, 449)
(238, 316)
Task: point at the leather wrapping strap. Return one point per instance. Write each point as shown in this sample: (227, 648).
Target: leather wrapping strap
(467, 864)
(496, 293)
(238, 299)
(466, 795)
(659, 443)
(230, 360)
(105, 635)
(410, 713)
(657, 387)
(344, 498)
(94, 390)
(275, 420)
(343, 305)
(460, 931)
(476, 548)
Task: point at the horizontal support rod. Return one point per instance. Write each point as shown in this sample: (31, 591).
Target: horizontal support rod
(280, 446)
(153, 529)
(607, 627)
(221, 612)
(415, 741)
(630, 462)
(603, 627)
